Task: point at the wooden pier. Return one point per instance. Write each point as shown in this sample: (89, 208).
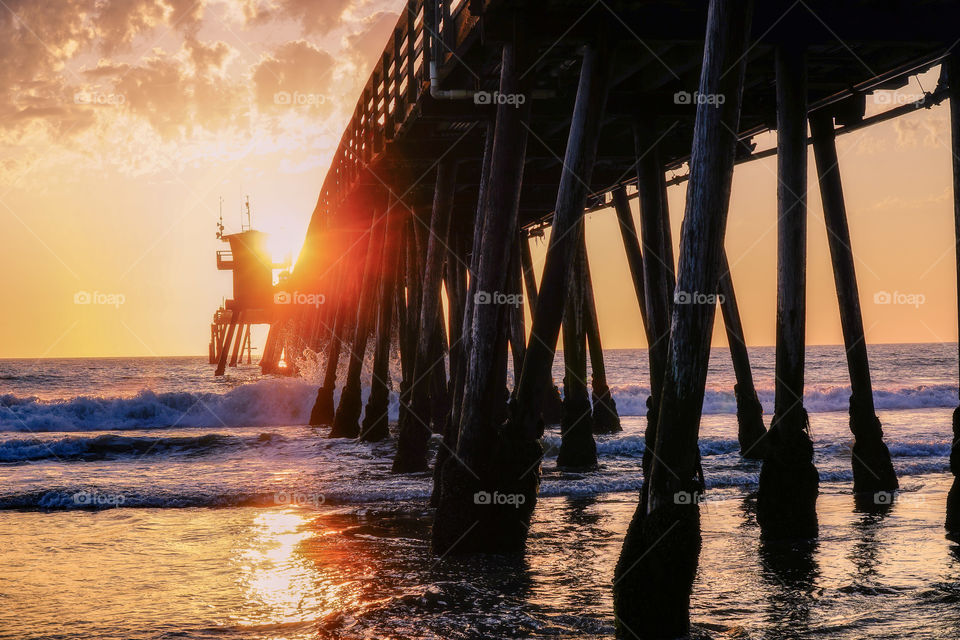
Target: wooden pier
(484, 121)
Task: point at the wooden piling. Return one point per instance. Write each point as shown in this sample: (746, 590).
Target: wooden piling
(787, 497)
(659, 277)
(872, 468)
(225, 345)
(376, 418)
(485, 461)
(605, 417)
(238, 343)
(346, 421)
(631, 243)
(566, 234)
(658, 563)
(750, 428)
(324, 410)
(952, 64)
(456, 285)
(518, 337)
(552, 408)
(414, 433)
(578, 449)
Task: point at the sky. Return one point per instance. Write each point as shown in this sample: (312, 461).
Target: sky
(124, 122)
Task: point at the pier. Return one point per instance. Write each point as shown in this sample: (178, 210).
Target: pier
(486, 121)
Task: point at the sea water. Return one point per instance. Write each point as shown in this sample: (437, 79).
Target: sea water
(143, 498)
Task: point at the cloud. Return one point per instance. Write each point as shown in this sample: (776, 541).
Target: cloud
(315, 17)
(370, 40)
(293, 70)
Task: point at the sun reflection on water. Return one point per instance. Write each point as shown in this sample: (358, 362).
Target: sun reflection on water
(281, 580)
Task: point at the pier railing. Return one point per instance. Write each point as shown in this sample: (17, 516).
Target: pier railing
(427, 30)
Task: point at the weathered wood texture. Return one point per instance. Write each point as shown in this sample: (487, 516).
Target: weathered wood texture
(577, 446)
(952, 522)
(415, 432)
(750, 429)
(652, 590)
(605, 417)
(462, 524)
(346, 421)
(789, 483)
(872, 467)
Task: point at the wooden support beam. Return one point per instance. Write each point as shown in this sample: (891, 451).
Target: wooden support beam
(578, 449)
(225, 346)
(323, 411)
(415, 432)
(474, 260)
(239, 341)
(461, 525)
(409, 310)
(271, 350)
(376, 419)
(952, 65)
(455, 279)
(439, 392)
(658, 274)
(346, 421)
(787, 498)
(529, 277)
(872, 468)
(605, 417)
(750, 429)
(518, 337)
(652, 589)
(565, 237)
(631, 243)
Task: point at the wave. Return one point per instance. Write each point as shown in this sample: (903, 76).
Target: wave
(264, 403)
(113, 447)
(632, 399)
(259, 404)
(289, 401)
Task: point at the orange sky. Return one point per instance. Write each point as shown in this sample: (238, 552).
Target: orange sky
(124, 121)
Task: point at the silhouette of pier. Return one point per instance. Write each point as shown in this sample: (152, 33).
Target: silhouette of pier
(484, 122)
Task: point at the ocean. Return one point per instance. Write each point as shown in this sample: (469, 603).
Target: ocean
(143, 498)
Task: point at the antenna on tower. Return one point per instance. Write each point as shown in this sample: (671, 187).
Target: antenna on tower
(249, 225)
(220, 222)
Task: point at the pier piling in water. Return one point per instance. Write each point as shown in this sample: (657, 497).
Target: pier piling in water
(789, 483)
(952, 64)
(487, 459)
(346, 420)
(605, 417)
(654, 576)
(872, 469)
(750, 429)
(578, 450)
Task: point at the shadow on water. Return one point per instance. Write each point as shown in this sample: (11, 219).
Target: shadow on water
(865, 553)
(790, 570)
